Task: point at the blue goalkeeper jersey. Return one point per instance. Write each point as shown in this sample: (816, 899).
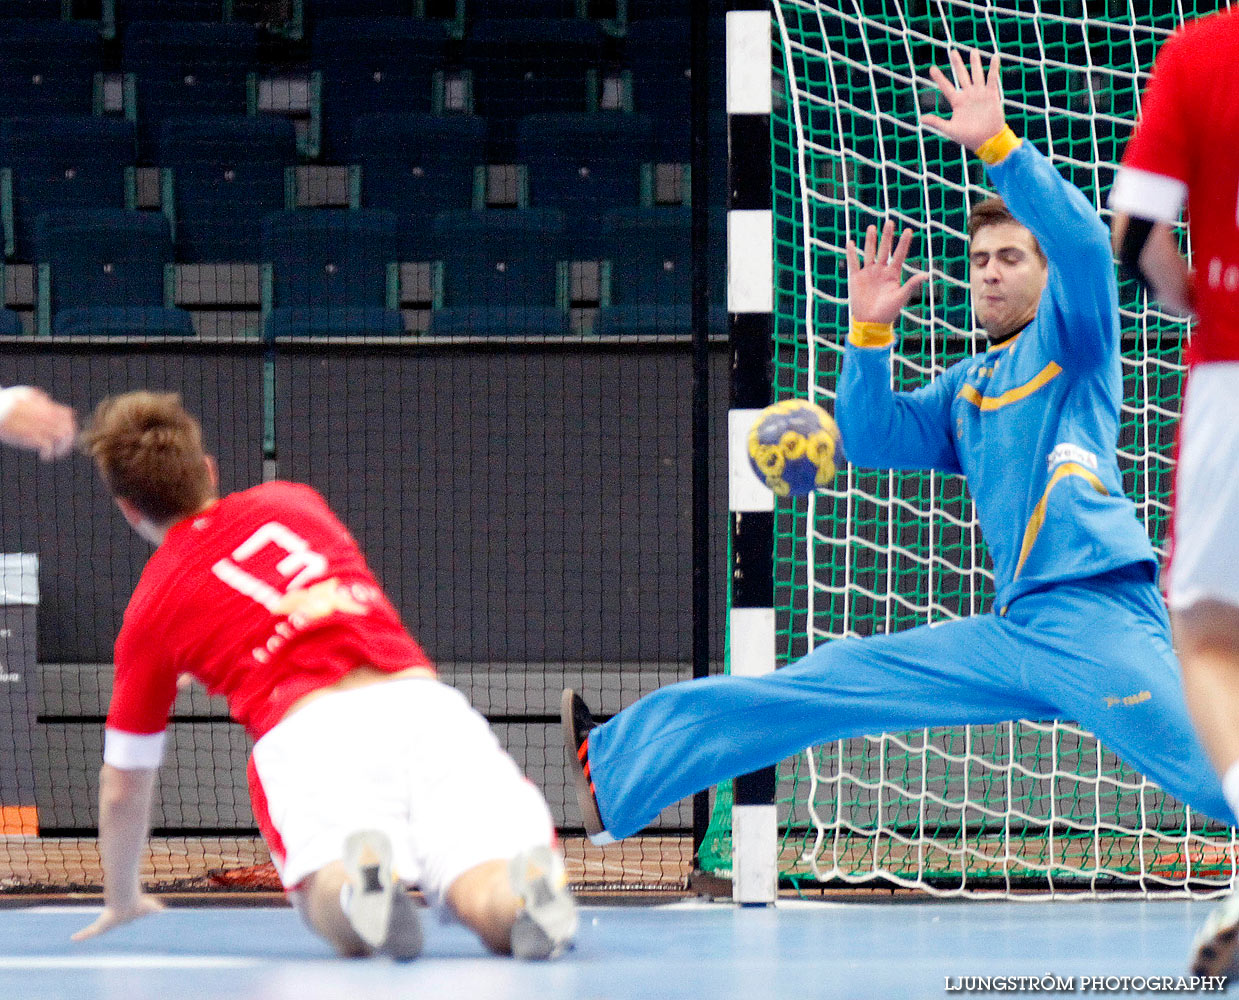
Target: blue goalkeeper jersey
(1033, 423)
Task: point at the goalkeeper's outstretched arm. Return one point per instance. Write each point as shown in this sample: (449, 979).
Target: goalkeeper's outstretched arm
(1065, 224)
(882, 428)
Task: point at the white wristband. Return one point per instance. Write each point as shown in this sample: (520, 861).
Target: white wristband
(133, 751)
(10, 397)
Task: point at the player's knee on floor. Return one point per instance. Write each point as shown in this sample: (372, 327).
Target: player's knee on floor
(520, 906)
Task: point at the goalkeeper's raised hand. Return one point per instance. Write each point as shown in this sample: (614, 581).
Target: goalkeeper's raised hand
(876, 292)
(975, 99)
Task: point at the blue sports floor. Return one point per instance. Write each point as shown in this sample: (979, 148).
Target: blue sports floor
(797, 950)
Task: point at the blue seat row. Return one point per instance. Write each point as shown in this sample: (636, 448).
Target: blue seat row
(221, 174)
(303, 15)
(585, 164)
(509, 68)
(494, 273)
(109, 272)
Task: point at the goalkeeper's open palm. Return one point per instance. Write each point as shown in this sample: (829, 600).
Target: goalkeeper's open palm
(876, 292)
(975, 99)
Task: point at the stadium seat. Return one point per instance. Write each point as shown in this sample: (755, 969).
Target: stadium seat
(369, 65)
(534, 65)
(318, 10)
(10, 322)
(647, 274)
(220, 176)
(502, 274)
(306, 15)
(484, 10)
(61, 161)
(48, 67)
(118, 13)
(644, 10)
(658, 56)
(44, 10)
(418, 165)
(174, 69)
(106, 272)
(128, 11)
(330, 272)
(584, 164)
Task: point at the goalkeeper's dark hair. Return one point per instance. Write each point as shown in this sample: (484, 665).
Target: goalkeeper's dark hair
(993, 211)
(148, 449)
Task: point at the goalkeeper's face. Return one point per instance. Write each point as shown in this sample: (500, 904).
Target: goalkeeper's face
(1008, 275)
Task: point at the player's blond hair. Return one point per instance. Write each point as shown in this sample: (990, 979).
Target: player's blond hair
(993, 211)
(148, 449)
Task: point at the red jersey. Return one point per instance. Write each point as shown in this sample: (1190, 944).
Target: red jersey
(263, 597)
(1186, 147)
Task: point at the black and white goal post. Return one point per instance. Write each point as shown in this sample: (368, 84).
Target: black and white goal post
(750, 305)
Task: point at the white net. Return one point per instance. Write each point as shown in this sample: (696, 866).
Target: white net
(983, 809)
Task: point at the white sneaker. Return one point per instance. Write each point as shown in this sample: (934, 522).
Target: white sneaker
(547, 922)
(404, 930)
(1216, 948)
(379, 909)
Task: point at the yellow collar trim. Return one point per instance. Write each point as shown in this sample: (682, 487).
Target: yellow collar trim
(1009, 342)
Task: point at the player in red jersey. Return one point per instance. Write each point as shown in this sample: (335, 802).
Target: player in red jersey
(1185, 150)
(364, 764)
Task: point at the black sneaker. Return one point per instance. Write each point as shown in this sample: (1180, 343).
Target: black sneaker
(577, 722)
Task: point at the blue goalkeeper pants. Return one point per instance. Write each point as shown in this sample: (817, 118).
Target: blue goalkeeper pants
(1095, 651)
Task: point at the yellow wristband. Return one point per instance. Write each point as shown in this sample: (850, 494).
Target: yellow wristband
(998, 147)
(871, 334)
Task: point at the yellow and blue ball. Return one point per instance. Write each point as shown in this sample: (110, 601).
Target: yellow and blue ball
(793, 447)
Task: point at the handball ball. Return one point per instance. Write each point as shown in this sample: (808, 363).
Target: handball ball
(793, 447)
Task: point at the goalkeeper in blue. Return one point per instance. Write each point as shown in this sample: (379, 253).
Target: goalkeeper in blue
(1079, 630)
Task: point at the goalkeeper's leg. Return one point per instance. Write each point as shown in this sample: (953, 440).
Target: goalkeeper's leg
(1112, 669)
(1107, 663)
(686, 737)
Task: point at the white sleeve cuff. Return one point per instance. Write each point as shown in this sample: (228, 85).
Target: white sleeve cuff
(1148, 195)
(133, 751)
(9, 398)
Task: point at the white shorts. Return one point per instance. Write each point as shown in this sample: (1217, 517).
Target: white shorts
(1204, 562)
(409, 757)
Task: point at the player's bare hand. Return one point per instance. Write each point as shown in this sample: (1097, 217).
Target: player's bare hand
(876, 291)
(975, 99)
(115, 916)
(38, 422)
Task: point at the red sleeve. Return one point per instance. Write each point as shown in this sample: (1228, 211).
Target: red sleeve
(1162, 142)
(144, 687)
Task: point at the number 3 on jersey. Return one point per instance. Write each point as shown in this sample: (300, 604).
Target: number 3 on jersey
(301, 565)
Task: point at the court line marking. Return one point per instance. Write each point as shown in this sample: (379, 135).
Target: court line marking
(85, 910)
(60, 962)
(782, 904)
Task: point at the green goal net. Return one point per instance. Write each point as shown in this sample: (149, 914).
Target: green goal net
(980, 809)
